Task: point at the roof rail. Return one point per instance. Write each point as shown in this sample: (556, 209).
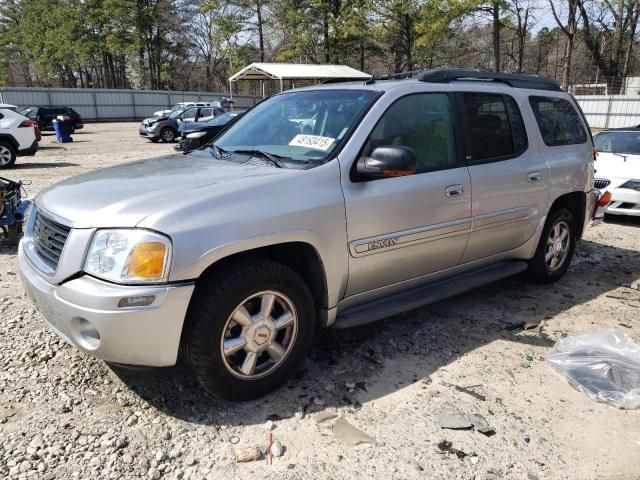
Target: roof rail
(399, 75)
(445, 75)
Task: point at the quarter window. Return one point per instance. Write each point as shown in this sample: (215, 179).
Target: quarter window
(423, 122)
(558, 121)
(495, 126)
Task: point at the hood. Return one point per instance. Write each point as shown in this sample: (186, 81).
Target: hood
(124, 195)
(151, 120)
(612, 166)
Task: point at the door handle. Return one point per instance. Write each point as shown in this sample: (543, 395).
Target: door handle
(534, 177)
(454, 191)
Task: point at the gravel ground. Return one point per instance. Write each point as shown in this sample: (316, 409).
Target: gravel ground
(66, 415)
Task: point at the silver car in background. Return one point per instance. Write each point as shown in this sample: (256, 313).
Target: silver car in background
(398, 193)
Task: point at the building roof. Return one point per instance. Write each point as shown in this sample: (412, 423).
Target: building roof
(287, 71)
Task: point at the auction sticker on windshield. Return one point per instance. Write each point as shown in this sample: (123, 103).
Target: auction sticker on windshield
(312, 141)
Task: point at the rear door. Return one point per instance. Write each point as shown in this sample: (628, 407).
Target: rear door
(205, 114)
(403, 228)
(509, 176)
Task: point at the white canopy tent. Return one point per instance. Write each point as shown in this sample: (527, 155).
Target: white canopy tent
(291, 71)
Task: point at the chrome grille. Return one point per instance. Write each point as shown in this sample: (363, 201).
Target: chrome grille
(49, 238)
(600, 183)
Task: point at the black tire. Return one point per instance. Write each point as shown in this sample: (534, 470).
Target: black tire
(168, 135)
(7, 155)
(73, 129)
(216, 299)
(540, 269)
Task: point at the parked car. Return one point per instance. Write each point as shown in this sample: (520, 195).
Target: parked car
(195, 134)
(182, 106)
(618, 169)
(18, 137)
(8, 106)
(167, 128)
(44, 116)
(404, 193)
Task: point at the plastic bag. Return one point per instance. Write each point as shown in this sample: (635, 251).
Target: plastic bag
(605, 365)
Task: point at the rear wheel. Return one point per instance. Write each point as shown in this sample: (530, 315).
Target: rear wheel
(249, 329)
(7, 155)
(555, 248)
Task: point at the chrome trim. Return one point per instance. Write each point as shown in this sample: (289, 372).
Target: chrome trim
(600, 183)
(503, 217)
(405, 238)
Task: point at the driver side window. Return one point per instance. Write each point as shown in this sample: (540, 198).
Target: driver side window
(190, 115)
(423, 122)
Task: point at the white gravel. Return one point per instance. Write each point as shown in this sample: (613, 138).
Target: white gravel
(65, 415)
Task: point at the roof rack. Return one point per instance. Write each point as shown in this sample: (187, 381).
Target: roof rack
(399, 75)
(445, 75)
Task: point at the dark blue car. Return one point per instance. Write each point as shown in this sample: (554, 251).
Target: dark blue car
(195, 135)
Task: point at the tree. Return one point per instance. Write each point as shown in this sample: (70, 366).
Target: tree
(606, 29)
(569, 29)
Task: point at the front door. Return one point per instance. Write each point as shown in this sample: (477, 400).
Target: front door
(509, 176)
(402, 228)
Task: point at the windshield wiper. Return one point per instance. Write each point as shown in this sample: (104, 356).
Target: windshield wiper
(272, 158)
(620, 155)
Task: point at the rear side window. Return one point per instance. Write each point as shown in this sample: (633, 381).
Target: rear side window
(495, 126)
(558, 121)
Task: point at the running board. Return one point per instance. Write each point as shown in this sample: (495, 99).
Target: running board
(431, 293)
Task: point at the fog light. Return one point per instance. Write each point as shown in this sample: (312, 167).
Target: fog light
(141, 301)
(85, 333)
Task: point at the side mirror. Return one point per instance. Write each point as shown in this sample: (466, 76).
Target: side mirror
(388, 161)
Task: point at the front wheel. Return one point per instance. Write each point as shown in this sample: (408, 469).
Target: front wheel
(249, 329)
(555, 248)
(168, 135)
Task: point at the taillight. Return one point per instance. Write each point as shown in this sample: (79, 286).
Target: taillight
(26, 123)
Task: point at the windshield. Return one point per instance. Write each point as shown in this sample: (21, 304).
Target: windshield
(176, 112)
(299, 126)
(618, 142)
(29, 112)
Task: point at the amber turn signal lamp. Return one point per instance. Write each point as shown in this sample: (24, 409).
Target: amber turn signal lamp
(147, 260)
(604, 200)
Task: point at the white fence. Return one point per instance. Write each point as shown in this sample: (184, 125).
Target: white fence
(610, 111)
(112, 104)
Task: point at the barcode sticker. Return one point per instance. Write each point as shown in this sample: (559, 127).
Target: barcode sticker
(312, 141)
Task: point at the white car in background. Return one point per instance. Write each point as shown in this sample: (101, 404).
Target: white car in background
(617, 169)
(183, 106)
(17, 137)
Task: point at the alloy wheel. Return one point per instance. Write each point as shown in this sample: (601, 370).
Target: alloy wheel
(5, 155)
(259, 334)
(558, 243)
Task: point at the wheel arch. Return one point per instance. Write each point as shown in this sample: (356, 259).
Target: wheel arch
(302, 257)
(5, 138)
(576, 202)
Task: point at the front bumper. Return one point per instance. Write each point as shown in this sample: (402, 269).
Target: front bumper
(624, 201)
(85, 313)
(145, 132)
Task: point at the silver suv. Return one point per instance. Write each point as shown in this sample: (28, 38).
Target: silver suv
(330, 206)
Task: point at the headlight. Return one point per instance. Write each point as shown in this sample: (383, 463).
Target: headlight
(129, 256)
(631, 185)
(196, 135)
